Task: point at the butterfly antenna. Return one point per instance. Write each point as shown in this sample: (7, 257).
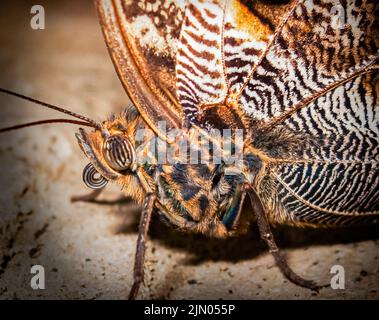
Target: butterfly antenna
(85, 120)
(36, 123)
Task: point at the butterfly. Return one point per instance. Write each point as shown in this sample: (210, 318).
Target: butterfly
(295, 81)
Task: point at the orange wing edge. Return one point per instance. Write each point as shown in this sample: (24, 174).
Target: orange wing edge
(141, 94)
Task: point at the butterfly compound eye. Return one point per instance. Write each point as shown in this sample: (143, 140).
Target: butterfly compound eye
(118, 152)
(92, 178)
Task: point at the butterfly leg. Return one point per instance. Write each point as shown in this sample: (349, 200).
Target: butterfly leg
(90, 197)
(139, 262)
(267, 236)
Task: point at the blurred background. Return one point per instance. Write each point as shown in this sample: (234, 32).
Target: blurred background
(87, 250)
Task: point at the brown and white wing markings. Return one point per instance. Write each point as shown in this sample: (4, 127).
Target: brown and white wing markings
(309, 53)
(338, 193)
(248, 28)
(336, 182)
(141, 37)
(220, 42)
(199, 66)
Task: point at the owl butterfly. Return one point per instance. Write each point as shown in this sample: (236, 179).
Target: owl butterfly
(298, 78)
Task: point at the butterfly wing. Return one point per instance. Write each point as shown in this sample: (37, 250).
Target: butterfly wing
(293, 64)
(141, 37)
(315, 79)
(175, 57)
(220, 41)
(270, 65)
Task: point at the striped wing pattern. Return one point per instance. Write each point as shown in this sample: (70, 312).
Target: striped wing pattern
(244, 43)
(217, 49)
(339, 184)
(310, 52)
(199, 68)
(329, 194)
(349, 149)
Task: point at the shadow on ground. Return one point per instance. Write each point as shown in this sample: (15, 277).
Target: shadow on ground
(241, 247)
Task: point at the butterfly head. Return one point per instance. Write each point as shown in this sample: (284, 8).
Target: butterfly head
(111, 151)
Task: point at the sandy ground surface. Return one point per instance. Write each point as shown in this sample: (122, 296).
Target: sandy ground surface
(87, 250)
